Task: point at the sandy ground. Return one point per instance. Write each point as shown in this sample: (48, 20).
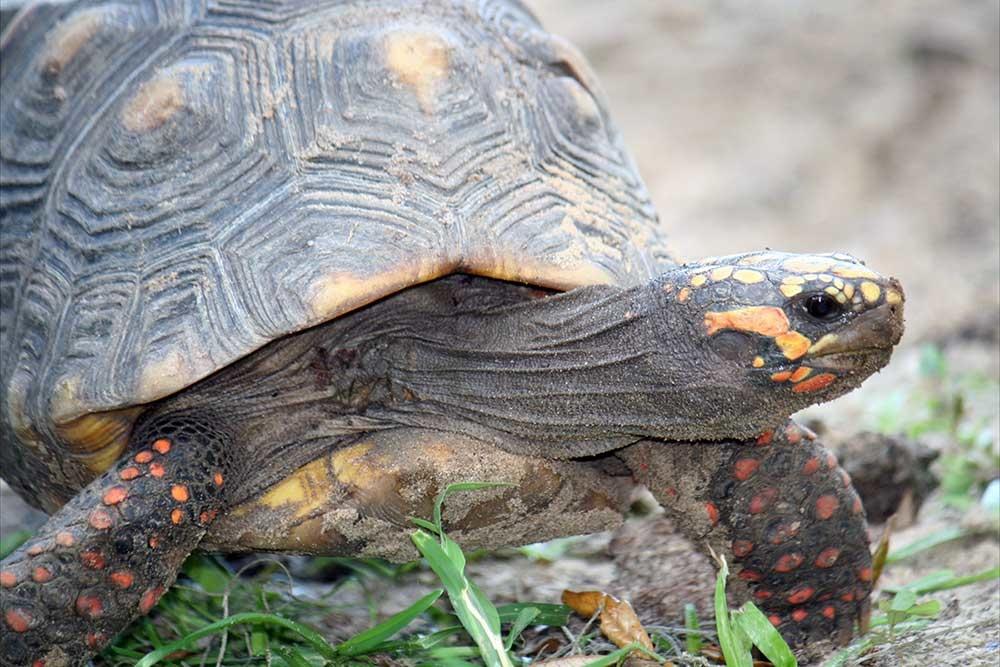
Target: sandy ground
(850, 126)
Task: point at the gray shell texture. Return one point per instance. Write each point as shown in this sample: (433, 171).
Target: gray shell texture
(183, 182)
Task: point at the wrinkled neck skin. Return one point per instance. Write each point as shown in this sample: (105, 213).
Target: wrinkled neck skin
(570, 375)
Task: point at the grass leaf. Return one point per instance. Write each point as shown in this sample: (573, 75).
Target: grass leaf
(734, 643)
(692, 641)
(934, 539)
(13, 541)
(311, 637)
(365, 641)
(523, 620)
(764, 635)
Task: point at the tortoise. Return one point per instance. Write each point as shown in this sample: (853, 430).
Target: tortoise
(273, 275)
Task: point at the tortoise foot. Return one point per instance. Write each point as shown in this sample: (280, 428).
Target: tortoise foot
(109, 554)
(785, 515)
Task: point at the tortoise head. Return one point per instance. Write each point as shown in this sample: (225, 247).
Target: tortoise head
(793, 329)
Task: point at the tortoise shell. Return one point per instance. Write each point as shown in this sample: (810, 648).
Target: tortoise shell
(183, 182)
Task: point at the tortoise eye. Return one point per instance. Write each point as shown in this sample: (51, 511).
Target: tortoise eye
(822, 306)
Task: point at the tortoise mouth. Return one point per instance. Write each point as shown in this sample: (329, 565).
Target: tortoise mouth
(865, 358)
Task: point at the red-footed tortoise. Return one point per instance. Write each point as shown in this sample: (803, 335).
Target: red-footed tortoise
(274, 274)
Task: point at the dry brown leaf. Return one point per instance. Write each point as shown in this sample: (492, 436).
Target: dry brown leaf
(619, 622)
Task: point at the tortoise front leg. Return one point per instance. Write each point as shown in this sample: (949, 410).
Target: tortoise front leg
(783, 512)
(109, 554)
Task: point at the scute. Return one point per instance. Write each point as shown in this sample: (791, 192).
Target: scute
(180, 187)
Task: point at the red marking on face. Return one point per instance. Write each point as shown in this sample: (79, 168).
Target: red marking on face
(826, 505)
(781, 376)
(829, 612)
(788, 562)
(89, 606)
(179, 492)
(37, 549)
(149, 599)
(145, 456)
(763, 500)
(64, 538)
(95, 640)
(162, 445)
(744, 468)
(801, 373)
(176, 516)
(93, 559)
(713, 512)
(154, 541)
(122, 578)
(741, 548)
(130, 473)
(17, 620)
(764, 320)
(41, 575)
(783, 531)
(217, 477)
(810, 466)
(800, 615)
(38, 663)
(750, 575)
(157, 470)
(865, 574)
(8, 579)
(827, 557)
(114, 495)
(801, 594)
(207, 517)
(100, 519)
(775, 620)
(762, 594)
(815, 383)
(765, 438)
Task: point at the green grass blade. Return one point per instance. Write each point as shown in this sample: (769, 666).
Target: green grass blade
(523, 620)
(208, 573)
(692, 640)
(477, 614)
(765, 636)
(734, 643)
(310, 636)
(955, 582)
(365, 641)
(934, 539)
(292, 657)
(556, 615)
(13, 541)
(617, 656)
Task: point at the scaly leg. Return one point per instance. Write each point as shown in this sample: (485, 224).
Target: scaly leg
(783, 513)
(109, 554)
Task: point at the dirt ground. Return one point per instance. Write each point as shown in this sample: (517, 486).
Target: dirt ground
(870, 128)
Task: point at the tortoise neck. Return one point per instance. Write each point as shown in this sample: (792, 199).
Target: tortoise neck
(569, 375)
